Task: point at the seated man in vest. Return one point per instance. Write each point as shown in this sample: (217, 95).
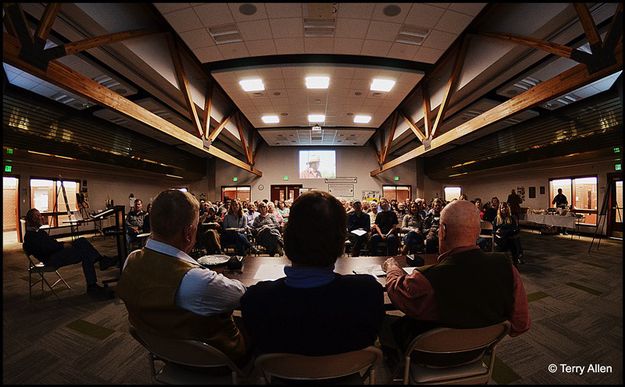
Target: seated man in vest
(168, 293)
(467, 288)
(56, 254)
(314, 310)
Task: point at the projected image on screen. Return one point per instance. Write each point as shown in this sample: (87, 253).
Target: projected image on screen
(315, 164)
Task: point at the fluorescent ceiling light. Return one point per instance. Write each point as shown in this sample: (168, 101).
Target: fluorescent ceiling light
(253, 84)
(379, 84)
(316, 118)
(361, 119)
(270, 119)
(317, 82)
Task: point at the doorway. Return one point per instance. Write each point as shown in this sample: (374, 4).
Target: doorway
(285, 192)
(10, 209)
(615, 202)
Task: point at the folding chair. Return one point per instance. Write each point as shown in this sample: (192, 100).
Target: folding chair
(40, 269)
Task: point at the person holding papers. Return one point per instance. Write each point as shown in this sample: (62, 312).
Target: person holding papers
(313, 310)
(358, 225)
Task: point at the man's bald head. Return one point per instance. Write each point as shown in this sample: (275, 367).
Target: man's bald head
(460, 225)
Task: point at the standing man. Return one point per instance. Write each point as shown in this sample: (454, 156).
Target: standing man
(467, 288)
(560, 200)
(312, 172)
(168, 293)
(514, 203)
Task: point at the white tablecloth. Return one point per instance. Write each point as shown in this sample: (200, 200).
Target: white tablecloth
(552, 220)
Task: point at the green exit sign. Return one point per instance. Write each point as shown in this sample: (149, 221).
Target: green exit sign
(617, 167)
(396, 178)
(9, 151)
(8, 168)
(285, 178)
(235, 179)
(617, 149)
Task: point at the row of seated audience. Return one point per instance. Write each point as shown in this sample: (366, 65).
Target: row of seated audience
(313, 310)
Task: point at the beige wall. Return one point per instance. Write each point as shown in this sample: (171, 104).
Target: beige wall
(276, 162)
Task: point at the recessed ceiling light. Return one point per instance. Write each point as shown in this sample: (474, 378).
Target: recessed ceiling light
(317, 82)
(316, 118)
(379, 84)
(361, 119)
(252, 84)
(270, 119)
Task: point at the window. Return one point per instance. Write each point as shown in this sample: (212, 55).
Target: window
(581, 193)
(452, 193)
(396, 192)
(46, 195)
(240, 193)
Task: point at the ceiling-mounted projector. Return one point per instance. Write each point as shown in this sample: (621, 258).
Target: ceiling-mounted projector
(316, 128)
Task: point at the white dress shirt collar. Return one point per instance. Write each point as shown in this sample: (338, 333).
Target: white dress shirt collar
(170, 250)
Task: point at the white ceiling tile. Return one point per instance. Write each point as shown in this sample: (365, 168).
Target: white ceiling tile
(428, 55)
(378, 12)
(208, 54)
(439, 40)
(453, 22)
(255, 30)
(375, 48)
(318, 45)
(25, 83)
(360, 84)
(184, 20)
(274, 84)
(440, 5)
(197, 38)
(214, 14)
(423, 15)
(283, 10)
(351, 28)
(170, 7)
(261, 47)
(44, 90)
(403, 51)
(356, 10)
(292, 72)
(343, 72)
(383, 31)
(233, 50)
(290, 45)
(347, 46)
(238, 16)
(287, 28)
(468, 8)
(279, 101)
(272, 73)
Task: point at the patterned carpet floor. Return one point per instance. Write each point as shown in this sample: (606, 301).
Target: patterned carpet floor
(575, 299)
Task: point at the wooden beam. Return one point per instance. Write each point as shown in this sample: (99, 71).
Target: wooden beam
(73, 48)
(451, 84)
(183, 84)
(239, 125)
(389, 139)
(208, 106)
(569, 80)
(68, 79)
(19, 26)
(46, 22)
(590, 29)
(426, 110)
(552, 48)
(213, 135)
(414, 129)
(615, 31)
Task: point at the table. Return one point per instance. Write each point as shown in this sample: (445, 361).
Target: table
(552, 220)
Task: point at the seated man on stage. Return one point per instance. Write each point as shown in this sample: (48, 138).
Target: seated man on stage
(313, 310)
(167, 293)
(56, 254)
(134, 223)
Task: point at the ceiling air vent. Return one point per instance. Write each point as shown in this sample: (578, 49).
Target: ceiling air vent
(106, 81)
(319, 28)
(225, 33)
(409, 34)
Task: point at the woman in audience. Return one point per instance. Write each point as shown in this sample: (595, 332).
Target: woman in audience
(271, 209)
(208, 238)
(235, 227)
(320, 312)
(411, 226)
(266, 229)
(506, 229)
(283, 210)
(478, 205)
(431, 224)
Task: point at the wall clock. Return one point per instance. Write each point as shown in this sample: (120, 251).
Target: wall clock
(261, 187)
